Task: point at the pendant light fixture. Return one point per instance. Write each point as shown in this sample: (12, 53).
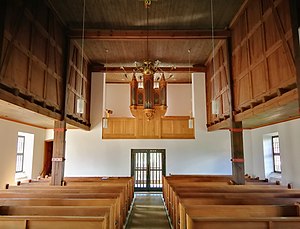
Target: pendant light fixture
(80, 104)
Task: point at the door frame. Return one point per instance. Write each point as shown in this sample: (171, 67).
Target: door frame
(48, 144)
(163, 167)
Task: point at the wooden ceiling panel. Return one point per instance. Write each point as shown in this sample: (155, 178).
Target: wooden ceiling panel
(169, 52)
(131, 14)
(112, 24)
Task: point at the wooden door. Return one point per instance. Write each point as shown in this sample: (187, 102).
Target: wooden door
(47, 158)
(148, 166)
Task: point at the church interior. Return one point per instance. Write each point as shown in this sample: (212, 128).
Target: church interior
(190, 99)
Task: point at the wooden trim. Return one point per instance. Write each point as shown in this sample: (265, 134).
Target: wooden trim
(241, 10)
(219, 126)
(277, 101)
(151, 34)
(77, 124)
(273, 123)
(24, 123)
(17, 100)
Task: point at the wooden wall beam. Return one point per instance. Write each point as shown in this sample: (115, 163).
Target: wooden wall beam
(101, 68)
(295, 20)
(236, 128)
(143, 34)
(58, 159)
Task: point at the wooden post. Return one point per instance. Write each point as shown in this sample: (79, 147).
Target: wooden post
(237, 152)
(58, 159)
(295, 21)
(236, 129)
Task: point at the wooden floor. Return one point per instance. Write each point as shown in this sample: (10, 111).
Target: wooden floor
(148, 212)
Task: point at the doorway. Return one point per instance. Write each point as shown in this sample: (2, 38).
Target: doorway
(148, 166)
(47, 158)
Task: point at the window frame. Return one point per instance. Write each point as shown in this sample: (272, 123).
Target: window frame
(276, 154)
(20, 154)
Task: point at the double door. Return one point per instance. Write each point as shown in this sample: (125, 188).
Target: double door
(148, 166)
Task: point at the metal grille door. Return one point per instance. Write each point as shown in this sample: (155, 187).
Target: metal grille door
(148, 167)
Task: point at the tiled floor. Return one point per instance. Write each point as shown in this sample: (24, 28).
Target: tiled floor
(148, 212)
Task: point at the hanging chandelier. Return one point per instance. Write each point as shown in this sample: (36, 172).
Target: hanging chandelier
(147, 89)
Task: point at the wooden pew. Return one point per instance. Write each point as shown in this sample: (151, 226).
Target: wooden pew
(186, 187)
(50, 222)
(80, 193)
(222, 192)
(112, 203)
(103, 211)
(92, 192)
(244, 223)
(174, 211)
(239, 216)
(196, 202)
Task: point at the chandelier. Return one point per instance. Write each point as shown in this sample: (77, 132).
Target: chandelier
(147, 91)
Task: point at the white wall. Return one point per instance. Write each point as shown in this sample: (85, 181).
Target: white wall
(8, 142)
(118, 99)
(87, 154)
(289, 136)
(179, 96)
(179, 99)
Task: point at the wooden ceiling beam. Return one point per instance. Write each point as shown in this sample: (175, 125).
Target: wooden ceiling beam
(152, 34)
(101, 68)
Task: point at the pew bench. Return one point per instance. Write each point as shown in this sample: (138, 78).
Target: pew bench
(244, 223)
(51, 222)
(248, 212)
(103, 211)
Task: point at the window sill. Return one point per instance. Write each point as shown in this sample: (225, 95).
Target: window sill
(273, 177)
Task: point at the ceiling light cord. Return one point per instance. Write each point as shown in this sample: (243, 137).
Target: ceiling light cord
(82, 47)
(147, 32)
(212, 34)
(190, 81)
(214, 111)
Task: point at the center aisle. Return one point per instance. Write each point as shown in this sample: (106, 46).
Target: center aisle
(148, 212)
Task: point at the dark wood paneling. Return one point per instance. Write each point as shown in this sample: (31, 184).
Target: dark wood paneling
(295, 15)
(78, 86)
(217, 85)
(263, 57)
(32, 60)
(2, 25)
